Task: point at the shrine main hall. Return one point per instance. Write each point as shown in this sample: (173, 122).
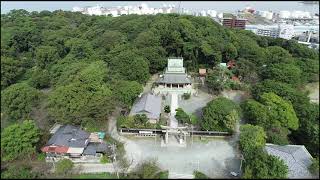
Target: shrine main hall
(175, 79)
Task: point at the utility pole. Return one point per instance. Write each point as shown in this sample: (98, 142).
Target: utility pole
(155, 139)
(54, 167)
(113, 146)
(192, 134)
(242, 158)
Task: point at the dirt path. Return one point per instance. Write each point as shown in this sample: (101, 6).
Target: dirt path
(313, 88)
(148, 86)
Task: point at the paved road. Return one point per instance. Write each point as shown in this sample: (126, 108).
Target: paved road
(180, 176)
(130, 146)
(93, 168)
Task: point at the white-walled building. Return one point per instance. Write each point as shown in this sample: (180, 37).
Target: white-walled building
(266, 31)
(286, 31)
(96, 10)
(212, 13)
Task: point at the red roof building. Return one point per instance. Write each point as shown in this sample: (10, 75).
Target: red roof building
(55, 149)
(231, 64)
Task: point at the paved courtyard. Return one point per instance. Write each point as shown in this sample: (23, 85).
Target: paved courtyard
(195, 103)
(215, 156)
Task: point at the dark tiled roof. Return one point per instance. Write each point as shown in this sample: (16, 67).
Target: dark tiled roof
(90, 149)
(170, 78)
(148, 104)
(94, 148)
(296, 157)
(69, 136)
(102, 147)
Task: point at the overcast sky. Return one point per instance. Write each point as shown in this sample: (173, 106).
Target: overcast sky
(226, 6)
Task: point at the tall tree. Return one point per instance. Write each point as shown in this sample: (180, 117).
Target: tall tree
(76, 102)
(17, 101)
(220, 114)
(11, 71)
(18, 140)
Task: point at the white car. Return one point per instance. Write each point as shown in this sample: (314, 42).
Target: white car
(234, 174)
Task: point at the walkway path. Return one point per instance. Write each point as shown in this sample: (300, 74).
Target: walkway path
(174, 106)
(93, 168)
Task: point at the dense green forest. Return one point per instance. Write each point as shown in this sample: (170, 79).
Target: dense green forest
(72, 68)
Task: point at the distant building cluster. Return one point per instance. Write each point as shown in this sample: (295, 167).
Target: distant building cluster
(282, 14)
(143, 9)
(295, 14)
(125, 10)
(284, 31)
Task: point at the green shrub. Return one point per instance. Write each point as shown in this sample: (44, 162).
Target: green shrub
(163, 175)
(18, 172)
(314, 167)
(104, 159)
(186, 96)
(199, 175)
(278, 135)
(148, 169)
(194, 119)
(92, 126)
(182, 116)
(41, 156)
(167, 109)
(234, 85)
(64, 166)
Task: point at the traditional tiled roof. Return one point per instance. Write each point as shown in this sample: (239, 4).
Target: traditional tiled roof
(69, 136)
(296, 157)
(57, 149)
(174, 79)
(148, 104)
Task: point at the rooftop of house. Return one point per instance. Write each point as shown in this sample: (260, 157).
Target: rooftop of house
(297, 158)
(94, 148)
(175, 65)
(170, 78)
(148, 103)
(69, 136)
